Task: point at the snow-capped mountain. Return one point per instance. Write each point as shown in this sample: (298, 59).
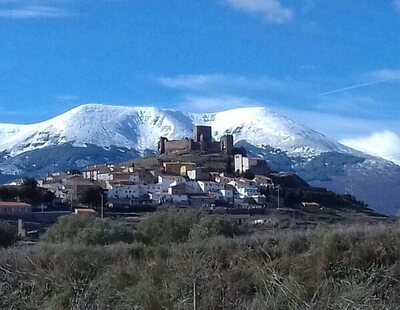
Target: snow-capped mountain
(141, 127)
(98, 133)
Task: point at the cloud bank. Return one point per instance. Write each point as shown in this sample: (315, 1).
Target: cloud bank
(385, 144)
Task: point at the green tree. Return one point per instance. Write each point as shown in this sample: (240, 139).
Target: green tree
(29, 192)
(47, 197)
(30, 183)
(7, 234)
(8, 193)
(92, 196)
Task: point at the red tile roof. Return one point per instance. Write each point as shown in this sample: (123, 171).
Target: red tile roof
(13, 204)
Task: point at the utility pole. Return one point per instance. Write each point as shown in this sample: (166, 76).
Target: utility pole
(102, 206)
(71, 201)
(279, 200)
(194, 294)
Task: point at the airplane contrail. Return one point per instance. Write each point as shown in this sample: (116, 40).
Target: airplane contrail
(359, 86)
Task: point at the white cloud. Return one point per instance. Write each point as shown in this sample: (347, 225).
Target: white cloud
(26, 12)
(273, 11)
(35, 9)
(220, 83)
(214, 104)
(66, 98)
(397, 4)
(385, 74)
(385, 144)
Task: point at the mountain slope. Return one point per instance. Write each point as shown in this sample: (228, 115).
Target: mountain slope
(98, 133)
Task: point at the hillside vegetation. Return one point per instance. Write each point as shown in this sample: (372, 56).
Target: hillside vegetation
(170, 253)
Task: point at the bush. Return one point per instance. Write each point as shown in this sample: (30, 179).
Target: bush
(209, 227)
(180, 226)
(88, 230)
(167, 227)
(7, 234)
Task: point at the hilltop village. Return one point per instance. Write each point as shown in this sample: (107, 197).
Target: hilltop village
(189, 173)
(244, 182)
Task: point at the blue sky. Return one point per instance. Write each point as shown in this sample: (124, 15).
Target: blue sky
(332, 65)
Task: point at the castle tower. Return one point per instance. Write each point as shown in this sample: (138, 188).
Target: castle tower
(202, 134)
(226, 144)
(161, 145)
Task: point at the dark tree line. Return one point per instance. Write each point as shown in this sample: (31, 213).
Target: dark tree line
(28, 192)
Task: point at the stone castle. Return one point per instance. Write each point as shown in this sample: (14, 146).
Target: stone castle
(201, 142)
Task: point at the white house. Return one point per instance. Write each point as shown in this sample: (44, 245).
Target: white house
(228, 193)
(199, 174)
(166, 180)
(92, 172)
(245, 188)
(248, 191)
(112, 176)
(124, 192)
(157, 197)
(260, 199)
(177, 189)
(168, 197)
(132, 191)
(243, 163)
(209, 186)
(151, 188)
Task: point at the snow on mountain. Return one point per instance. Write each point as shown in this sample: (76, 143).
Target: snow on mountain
(98, 133)
(140, 128)
(261, 127)
(100, 125)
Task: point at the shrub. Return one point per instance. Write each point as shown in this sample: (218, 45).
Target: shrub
(88, 230)
(335, 267)
(167, 227)
(209, 227)
(180, 226)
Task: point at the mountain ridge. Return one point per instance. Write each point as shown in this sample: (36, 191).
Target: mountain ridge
(126, 123)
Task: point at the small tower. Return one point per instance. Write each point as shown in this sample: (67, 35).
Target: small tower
(226, 144)
(161, 145)
(202, 134)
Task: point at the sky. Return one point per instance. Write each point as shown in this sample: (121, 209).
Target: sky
(333, 66)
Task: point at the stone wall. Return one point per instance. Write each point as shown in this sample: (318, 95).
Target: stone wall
(178, 146)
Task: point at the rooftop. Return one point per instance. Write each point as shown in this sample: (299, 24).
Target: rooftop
(13, 204)
(84, 210)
